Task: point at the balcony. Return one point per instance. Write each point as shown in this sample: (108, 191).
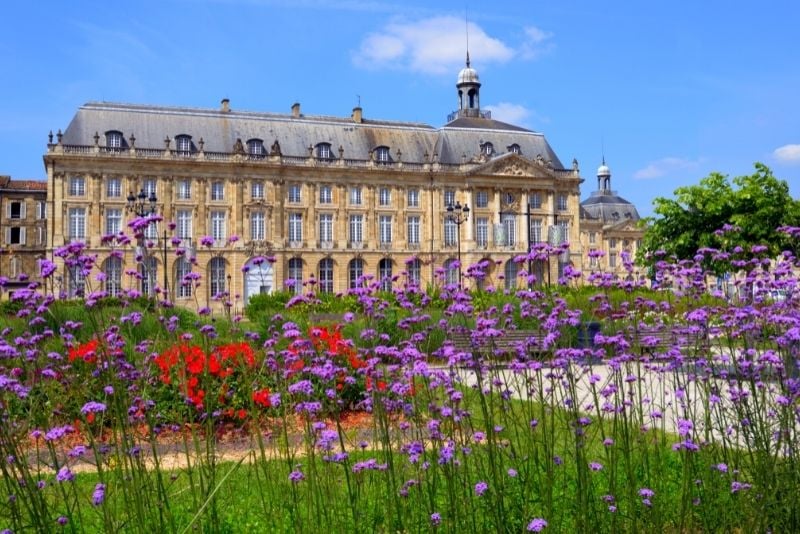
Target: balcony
(325, 245)
(356, 245)
(296, 244)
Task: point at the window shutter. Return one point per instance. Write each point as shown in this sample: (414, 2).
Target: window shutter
(8, 211)
(8, 235)
(23, 209)
(22, 235)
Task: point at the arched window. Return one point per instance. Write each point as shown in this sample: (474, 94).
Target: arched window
(355, 271)
(112, 268)
(216, 277)
(385, 274)
(294, 275)
(414, 270)
(76, 281)
(326, 275)
(114, 141)
(514, 149)
(451, 271)
(183, 144)
(255, 147)
(511, 271)
(487, 149)
(183, 284)
(324, 151)
(382, 155)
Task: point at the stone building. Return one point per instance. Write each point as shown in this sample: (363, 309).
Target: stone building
(23, 212)
(610, 224)
(328, 198)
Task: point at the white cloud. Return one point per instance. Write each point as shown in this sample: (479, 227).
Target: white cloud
(515, 114)
(538, 42)
(437, 45)
(787, 154)
(663, 167)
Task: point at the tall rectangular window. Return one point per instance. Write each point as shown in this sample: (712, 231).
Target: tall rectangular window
(592, 238)
(356, 228)
(257, 190)
(151, 230)
(612, 243)
(385, 196)
(325, 227)
(295, 227)
(563, 231)
(482, 199)
(16, 210)
(536, 230)
(482, 232)
(325, 194)
(217, 191)
(294, 193)
(257, 226)
(449, 197)
(77, 224)
(535, 200)
(149, 186)
(355, 196)
(184, 224)
(326, 275)
(218, 229)
(77, 186)
(509, 223)
(612, 260)
(182, 268)
(184, 190)
(413, 198)
(413, 231)
(41, 209)
(385, 228)
(562, 202)
(114, 188)
(113, 221)
(450, 232)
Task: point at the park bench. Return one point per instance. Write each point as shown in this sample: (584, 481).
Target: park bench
(652, 341)
(510, 344)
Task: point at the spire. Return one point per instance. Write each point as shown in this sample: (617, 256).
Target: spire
(467, 58)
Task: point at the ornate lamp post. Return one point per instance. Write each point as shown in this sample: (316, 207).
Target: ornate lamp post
(458, 215)
(143, 205)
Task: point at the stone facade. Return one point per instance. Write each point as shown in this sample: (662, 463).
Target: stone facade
(22, 230)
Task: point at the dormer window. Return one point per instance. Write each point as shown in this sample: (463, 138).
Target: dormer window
(183, 144)
(324, 151)
(114, 141)
(487, 149)
(514, 149)
(255, 147)
(382, 155)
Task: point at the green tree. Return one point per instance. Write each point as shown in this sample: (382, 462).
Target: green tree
(756, 205)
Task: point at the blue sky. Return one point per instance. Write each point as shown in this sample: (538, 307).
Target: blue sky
(670, 91)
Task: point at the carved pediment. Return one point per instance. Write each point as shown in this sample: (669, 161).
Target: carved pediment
(513, 165)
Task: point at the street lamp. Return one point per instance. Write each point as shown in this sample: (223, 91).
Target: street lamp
(458, 215)
(144, 205)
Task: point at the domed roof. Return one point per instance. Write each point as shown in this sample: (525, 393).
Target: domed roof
(603, 170)
(468, 75)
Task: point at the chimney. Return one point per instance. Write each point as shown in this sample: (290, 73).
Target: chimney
(225, 105)
(296, 110)
(357, 115)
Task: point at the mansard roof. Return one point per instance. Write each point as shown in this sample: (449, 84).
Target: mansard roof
(220, 129)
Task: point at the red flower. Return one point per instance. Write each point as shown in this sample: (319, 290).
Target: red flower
(261, 397)
(86, 352)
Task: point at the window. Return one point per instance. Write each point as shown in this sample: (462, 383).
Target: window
(536, 230)
(295, 227)
(413, 232)
(382, 154)
(183, 144)
(563, 232)
(626, 244)
(385, 196)
(562, 202)
(149, 187)
(487, 149)
(592, 257)
(450, 232)
(385, 229)
(326, 228)
(612, 260)
(77, 224)
(356, 229)
(40, 233)
(511, 271)
(257, 226)
(324, 151)
(355, 196)
(77, 186)
(413, 198)
(451, 271)
(326, 275)
(612, 243)
(514, 149)
(255, 147)
(113, 188)
(482, 232)
(294, 193)
(183, 283)
(355, 271)
(76, 281)
(257, 190)
(149, 271)
(112, 268)
(385, 274)
(217, 191)
(482, 199)
(151, 230)
(218, 229)
(113, 221)
(449, 197)
(216, 280)
(15, 235)
(535, 200)
(294, 275)
(184, 224)
(16, 210)
(592, 238)
(325, 194)
(414, 271)
(184, 190)
(114, 141)
(41, 209)
(509, 222)
(509, 198)
(638, 244)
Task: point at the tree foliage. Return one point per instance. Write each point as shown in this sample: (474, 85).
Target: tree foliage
(750, 207)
